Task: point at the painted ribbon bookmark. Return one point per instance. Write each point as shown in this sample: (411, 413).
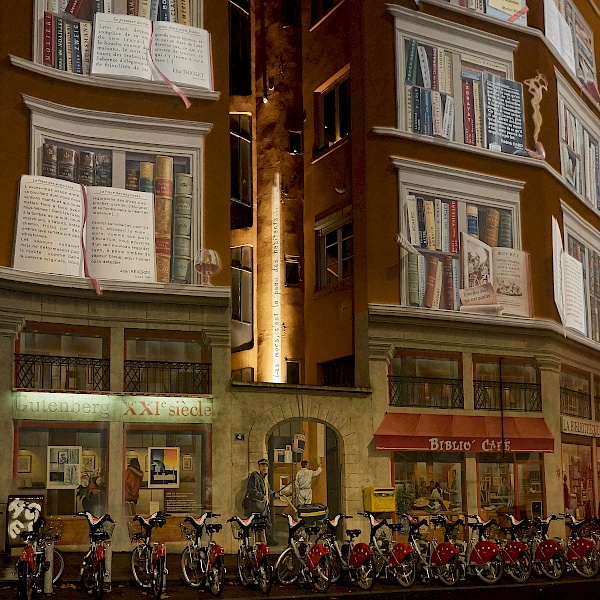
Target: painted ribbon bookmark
(172, 85)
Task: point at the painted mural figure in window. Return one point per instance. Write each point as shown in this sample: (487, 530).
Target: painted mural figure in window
(133, 482)
(259, 496)
(304, 482)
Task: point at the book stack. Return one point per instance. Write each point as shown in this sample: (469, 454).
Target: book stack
(88, 167)
(433, 281)
(176, 11)
(181, 262)
(433, 223)
(490, 225)
(67, 44)
(163, 212)
(429, 100)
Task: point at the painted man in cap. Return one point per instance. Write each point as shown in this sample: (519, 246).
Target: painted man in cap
(259, 495)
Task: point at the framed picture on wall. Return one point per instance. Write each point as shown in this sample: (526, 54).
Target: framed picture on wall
(64, 467)
(187, 463)
(24, 463)
(163, 467)
(88, 462)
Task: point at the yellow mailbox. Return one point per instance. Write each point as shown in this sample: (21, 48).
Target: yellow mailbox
(379, 499)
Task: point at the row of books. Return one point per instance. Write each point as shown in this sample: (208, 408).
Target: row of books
(493, 114)
(172, 215)
(514, 11)
(67, 44)
(434, 224)
(433, 282)
(429, 112)
(593, 270)
(176, 11)
(428, 66)
(88, 167)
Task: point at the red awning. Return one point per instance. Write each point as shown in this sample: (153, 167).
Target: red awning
(462, 433)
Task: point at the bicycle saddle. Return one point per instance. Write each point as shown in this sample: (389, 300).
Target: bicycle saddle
(214, 527)
(353, 533)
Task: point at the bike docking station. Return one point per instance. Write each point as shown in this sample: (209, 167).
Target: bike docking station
(49, 574)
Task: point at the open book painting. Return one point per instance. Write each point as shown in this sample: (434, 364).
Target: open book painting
(53, 228)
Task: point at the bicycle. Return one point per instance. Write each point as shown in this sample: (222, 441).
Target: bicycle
(253, 554)
(303, 561)
(202, 564)
(148, 558)
(516, 554)
(33, 565)
(94, 574)
(480, 555)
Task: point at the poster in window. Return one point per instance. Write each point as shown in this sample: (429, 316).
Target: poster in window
(19, 518)
(88, 463)
(64, 467)
(164, 467)
(187, 463)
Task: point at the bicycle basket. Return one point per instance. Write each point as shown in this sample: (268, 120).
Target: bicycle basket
(108, 528)
(236, 530)
(135, 530)
(52, 532)
(187, 532)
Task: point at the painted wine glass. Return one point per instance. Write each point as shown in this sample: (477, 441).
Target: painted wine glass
(208, 263)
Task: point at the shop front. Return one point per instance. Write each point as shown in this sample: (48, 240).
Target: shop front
(117, 453)
(436, 460)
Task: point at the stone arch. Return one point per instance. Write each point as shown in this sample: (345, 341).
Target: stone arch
(315, 409)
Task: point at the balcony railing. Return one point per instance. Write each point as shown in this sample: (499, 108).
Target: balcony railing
(576, 404)
(64, 373)
(154, 377)
(515, 396)
(426, 392)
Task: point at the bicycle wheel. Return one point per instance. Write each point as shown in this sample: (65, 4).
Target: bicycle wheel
(287, 567)
(58, 566)
(25, 582)
(406, 572)
(191, 568)
(87, 573)
(265, 575)
(216, 578)
(98, 589)
(366, 574)
(321, 574)
(588, 565)
(555, 567)
(138, 566)
(158, 577)
(244, 568)
(449, 574)
(491, 571)
(520, 569)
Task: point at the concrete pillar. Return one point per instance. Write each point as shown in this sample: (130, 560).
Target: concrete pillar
(9, 329)
(471, 488)
(550, 385)
(116, 505)
(117, 358)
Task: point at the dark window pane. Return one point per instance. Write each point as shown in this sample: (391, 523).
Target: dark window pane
(240, 71)
(329, 116)
(344, 108)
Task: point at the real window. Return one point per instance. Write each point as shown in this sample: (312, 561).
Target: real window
(242, 301)
(292, 270)
(292, 371)
(335, 253)
(290, 13)
(333, 110)
(338, 372)
(320, 8)
(240, 48)
(240, 139)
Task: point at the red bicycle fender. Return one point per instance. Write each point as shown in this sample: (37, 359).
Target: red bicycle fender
(513, 550)
(547, 549)
(262, 550)
(443, 553)
(213, 553)
(399, 551)
(100, 554)
(359, 554)
(578, 548)
(483, 552)
(314, 555)
(28, 555)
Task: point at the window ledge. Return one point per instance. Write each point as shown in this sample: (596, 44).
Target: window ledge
(116, 83)
(42, 283)
(319, 155)
(519, 29)
(524, 160)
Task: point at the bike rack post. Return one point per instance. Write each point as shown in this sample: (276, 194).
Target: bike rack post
(164, 575)
(49, 574)
(108, 565)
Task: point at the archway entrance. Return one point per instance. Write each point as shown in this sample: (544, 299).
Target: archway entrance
(318, 482)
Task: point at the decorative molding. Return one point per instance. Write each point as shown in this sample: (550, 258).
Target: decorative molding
(115, 83)
(11, 326)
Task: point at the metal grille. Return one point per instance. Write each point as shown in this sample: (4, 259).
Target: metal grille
(524, 397)
(155, 377)
(62, 373)
(576, 404)
(428, 392)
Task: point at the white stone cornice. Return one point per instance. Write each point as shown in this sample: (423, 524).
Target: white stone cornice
(10, 326)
